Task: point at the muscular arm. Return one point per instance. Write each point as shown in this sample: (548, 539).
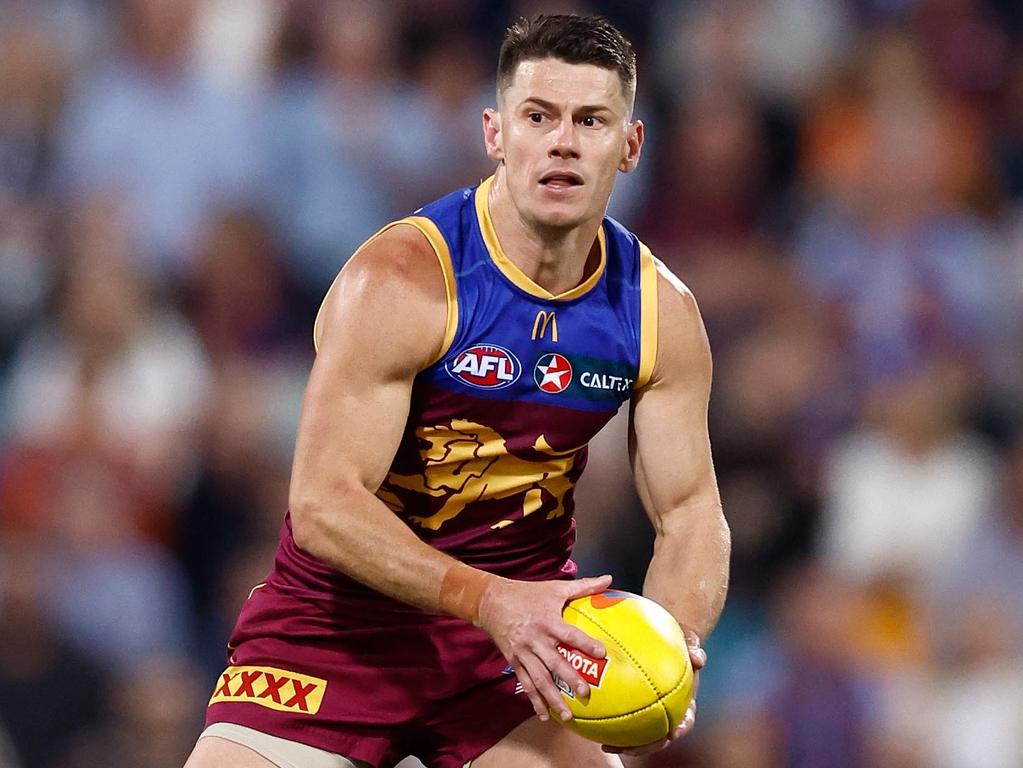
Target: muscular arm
(670, 451)
(383, 322)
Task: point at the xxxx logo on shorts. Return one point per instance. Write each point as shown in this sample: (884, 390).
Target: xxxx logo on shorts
(272, 688)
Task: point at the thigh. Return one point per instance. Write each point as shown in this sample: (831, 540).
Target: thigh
(214, 752)
(545, 745)
(226, 744)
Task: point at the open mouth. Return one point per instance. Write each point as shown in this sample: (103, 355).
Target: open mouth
(561, 180)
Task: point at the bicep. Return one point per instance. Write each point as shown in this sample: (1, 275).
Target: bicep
(669, 441)
(357, 399)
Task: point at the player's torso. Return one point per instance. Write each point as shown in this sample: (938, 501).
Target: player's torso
(497, 433)
(497, 430)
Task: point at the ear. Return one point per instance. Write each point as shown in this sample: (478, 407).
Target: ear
(633, 146)
(493, 139)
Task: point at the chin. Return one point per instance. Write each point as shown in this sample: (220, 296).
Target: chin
(559, 216)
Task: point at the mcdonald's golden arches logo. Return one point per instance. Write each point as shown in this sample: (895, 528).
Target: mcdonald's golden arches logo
(543, 321)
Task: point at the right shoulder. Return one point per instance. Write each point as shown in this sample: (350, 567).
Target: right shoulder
(394, 287)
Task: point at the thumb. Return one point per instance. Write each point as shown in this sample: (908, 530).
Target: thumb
(588, 586)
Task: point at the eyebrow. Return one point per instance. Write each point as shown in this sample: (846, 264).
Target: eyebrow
(553, 107)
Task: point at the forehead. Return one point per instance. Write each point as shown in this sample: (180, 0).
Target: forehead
(559, 82)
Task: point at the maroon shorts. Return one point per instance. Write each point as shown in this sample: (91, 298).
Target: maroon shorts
(366, 677)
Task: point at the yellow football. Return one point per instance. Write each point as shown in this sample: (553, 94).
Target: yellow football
(638, 693)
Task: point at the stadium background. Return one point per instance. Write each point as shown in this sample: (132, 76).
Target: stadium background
(839, 181)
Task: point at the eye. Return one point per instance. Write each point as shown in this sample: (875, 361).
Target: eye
(536, 117)
(590, 121)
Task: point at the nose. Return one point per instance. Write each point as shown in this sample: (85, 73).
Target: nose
(563, 141)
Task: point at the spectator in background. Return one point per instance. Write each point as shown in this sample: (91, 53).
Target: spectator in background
(978, 685)
(1008, 135)
(32, 77)
(118, 595)
(27, 271)
(449, 72)
(780, 48)
(339, 134)
(908, 491)
(148, 130)
(33, 71)
(239, 299)
(50, 693)
(808, 657)
(990, 567)
(113, 360)
(891, 243)
(151, 721)
(234, 503)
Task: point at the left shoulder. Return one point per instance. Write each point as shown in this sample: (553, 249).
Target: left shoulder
(682, 345)
(675, 301)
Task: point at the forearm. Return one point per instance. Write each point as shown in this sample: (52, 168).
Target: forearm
(359, 535)
(688, 573)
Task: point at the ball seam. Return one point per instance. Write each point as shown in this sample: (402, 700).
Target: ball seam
(635, 663)
(635, 711)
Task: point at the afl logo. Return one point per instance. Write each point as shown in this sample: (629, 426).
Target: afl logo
(485, 366)
(553, 373)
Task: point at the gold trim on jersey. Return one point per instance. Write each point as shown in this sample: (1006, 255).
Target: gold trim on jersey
(647, 316)
(508, 267)
(440, 248)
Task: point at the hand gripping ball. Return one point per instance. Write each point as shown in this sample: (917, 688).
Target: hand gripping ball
(640, 692)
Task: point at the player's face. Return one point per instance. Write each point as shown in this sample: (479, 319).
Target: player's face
(563, 132)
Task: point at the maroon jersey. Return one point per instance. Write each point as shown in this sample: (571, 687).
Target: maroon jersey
(493, 446)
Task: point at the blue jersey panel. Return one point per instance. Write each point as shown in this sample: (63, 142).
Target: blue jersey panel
(580, 351)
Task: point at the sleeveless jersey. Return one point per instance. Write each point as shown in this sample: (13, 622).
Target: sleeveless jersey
(498, 426)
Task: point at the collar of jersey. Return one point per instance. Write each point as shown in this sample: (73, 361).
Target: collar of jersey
(512, 272)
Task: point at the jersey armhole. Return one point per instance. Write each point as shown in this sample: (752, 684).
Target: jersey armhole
(440, 248)
(647, 316)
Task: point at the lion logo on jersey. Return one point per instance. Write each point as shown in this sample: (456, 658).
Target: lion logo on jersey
(465, 462)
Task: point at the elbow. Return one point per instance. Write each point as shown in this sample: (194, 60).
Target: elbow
(704, 520)
(320, 520)
(307, 524)
(725, 533)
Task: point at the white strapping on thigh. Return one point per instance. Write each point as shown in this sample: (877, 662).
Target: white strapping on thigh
(281, 752)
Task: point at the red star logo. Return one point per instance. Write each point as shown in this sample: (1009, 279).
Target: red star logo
(553, 373)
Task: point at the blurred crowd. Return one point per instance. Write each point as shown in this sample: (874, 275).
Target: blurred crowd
(840, 182)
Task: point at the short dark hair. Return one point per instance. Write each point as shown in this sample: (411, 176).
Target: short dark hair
(570, 38)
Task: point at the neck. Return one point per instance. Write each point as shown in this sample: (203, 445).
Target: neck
(555, 258)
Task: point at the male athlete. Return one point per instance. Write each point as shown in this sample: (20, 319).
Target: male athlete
(466, 355)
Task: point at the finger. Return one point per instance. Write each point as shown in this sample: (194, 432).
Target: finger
(687, 724)
(698, 657)
(560, 666)
(531, 693)
(566, 634)
(545, 687)
(697, 654)
(588, 586)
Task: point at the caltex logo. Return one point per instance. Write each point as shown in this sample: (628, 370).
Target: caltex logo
(553, 373)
